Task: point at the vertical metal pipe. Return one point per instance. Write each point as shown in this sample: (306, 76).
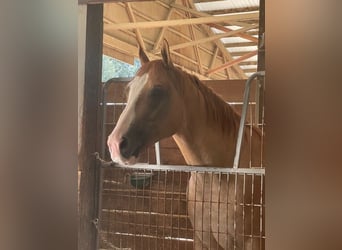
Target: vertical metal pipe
(157, 149)
(103, 118)
(243, 116)
(99, 181)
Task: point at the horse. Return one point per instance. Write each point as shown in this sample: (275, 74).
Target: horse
(163, 101)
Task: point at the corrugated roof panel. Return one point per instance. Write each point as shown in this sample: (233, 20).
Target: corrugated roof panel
(248, 66)
(234, 40)
(242, 49)
(228, 4)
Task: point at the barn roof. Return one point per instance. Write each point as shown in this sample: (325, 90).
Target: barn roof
(212, 39)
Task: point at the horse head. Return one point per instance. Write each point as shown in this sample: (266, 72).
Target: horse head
(153, 110)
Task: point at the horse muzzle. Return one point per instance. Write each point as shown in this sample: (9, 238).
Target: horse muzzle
(124, 150)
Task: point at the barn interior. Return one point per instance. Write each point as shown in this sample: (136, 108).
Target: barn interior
(222, 43)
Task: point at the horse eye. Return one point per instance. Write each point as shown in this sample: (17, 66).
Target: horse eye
(157, 91)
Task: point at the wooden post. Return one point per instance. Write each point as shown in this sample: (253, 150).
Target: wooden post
(261, 65)
(88, 192)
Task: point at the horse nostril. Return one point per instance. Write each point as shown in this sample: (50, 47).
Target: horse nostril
(123, 146)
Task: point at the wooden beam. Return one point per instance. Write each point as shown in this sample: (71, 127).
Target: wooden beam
(89, 178)
(123, 47)
(212, 38)
(252, 70)
(137, 31)
(213, 58)
(217, 26)
(162, 32)
(235, 10)
(261, 66)
(114, 53)
(178, 22)
(231, 63)
(204, 14)
(248, 63)
(225, 54)
(242, 44)
(244, 23)
(253, 32)
(107, 1)
(242, 35)
(194, 38)
(239, 53)
(172, 30)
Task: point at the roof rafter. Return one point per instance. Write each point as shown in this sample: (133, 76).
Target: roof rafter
(231, 63)
(213, 58)
(177, 22)
(217, 26)
(235, 10)
(242, 44)
(193, 37)
(242, 35)
(137, 31)
(211, 38)
(162, 32)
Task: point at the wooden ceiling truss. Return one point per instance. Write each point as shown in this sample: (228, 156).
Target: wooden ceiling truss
(195, 37)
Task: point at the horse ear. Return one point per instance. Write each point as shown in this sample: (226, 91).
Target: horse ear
(143, 57)
(165, 52)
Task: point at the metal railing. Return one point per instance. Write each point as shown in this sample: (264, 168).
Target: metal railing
(243, 116)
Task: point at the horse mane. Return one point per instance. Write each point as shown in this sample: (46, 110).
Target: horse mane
(217, 110)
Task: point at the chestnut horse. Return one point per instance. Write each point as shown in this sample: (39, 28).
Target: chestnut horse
(165, 101)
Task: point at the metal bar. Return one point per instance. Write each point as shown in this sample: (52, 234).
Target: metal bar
(243, 117)
(103, 118)
(157, 149)
(200, 169)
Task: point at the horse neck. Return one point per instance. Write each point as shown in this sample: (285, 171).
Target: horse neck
(201, 139)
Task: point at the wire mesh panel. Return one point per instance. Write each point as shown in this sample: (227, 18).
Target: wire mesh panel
(177, 207)
(145, 209)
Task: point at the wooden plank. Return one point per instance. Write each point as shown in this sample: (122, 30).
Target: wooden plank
(213, 58)
(242, 35)
(261, 64)
(114, 53)
(240, 53)
(220, 27)
(138, 242)
(177, 22)
(248, 63)
(235, 10)
(162, 32)
(212, 38)
(88, 203)
(108, 1)
(229, 90)
(231, 63)
(112, 42)
(142, 206)
(242, 44)
(137, 31)
(156, 225)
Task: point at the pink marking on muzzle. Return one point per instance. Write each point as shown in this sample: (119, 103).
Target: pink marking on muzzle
(113, 143)
(113, 146)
